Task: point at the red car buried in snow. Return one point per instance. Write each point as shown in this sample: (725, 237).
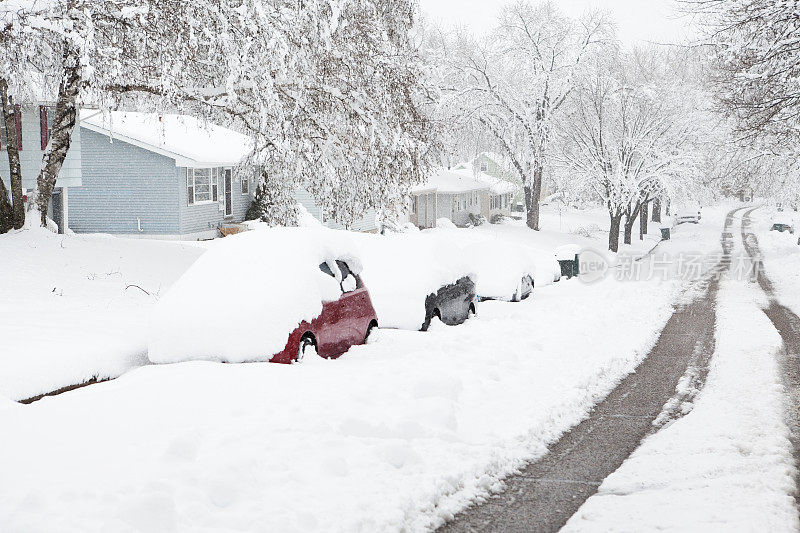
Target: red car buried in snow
(265, 295)
(343, 323)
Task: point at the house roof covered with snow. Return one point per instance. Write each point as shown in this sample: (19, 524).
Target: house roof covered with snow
(450, 182)
(496, 185)
(188, 140)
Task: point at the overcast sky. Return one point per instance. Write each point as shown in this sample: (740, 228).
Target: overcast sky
(637, 20)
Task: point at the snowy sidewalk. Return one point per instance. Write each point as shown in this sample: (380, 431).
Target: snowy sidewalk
(727, 464)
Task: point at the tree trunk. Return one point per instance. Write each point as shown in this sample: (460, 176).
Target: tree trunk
(63, 124)
(8, 115)
(628, 239)
(6, 214)
(532, 196)
(630, 219)
(613, 234)
(643, 215)
(656, 209)
(666, 207)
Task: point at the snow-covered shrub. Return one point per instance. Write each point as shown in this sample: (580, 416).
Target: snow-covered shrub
(589, 231)
(476, 220)
(273, 205)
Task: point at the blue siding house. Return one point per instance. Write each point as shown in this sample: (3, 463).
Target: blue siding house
(159, 176)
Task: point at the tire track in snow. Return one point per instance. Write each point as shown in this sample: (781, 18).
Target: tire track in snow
(788, 325)
(547, 492)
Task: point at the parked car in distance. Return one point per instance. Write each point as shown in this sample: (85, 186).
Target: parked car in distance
(782, 226)
(452, 304)
(303, 294)
(690, 212)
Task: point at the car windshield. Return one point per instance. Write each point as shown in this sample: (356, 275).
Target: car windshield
(350, 281)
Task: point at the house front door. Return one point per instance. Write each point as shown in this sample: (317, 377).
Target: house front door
(228, 193)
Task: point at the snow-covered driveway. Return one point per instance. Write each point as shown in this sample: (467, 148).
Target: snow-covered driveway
(395, 435)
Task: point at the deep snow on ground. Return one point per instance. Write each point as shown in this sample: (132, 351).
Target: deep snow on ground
(395, 435)
(66, 315)
(65, 312)
(727, 464)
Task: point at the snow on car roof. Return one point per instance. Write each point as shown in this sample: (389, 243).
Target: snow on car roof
(243, 297)
(499, 266)
(188, 140)
(448, 181)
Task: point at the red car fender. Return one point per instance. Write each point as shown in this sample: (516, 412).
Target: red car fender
(357, 313)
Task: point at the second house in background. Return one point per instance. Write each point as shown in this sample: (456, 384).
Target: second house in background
(165, 176)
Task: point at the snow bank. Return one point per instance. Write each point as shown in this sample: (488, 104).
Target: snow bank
(394, 436)
(215, 312)
(727, 463)
(75, 307)
(400, 270)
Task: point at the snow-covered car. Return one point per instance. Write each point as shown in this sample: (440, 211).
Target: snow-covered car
(782, 226)
(293, 291)
(416, 277)
(689, 212)
(502, 270)
(452, 304)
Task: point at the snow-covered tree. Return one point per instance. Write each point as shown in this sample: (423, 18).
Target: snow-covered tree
(332, 93)
(628, 139)
(73, 53)
(758, 65)
(516, 81)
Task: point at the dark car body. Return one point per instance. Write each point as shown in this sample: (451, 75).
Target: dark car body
(341, 324)
(779, 226)
(452, 303)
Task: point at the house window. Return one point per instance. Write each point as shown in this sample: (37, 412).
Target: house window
(484, 166)
(215, 185)
(200, 187)
(245, 185)
(414, 205)
(189, 185)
